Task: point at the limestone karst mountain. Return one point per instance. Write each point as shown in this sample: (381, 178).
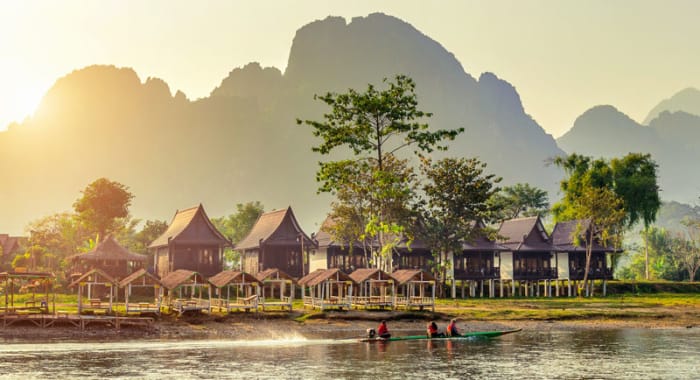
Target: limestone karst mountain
(241, 143)
(686, 100)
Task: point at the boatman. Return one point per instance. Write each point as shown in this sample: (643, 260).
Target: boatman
(452, 328)
(383, 331)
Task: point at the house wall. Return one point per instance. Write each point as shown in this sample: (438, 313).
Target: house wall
(507, 265)
(204, 259)
(249, 260)
(318, 259)
(563, 265)
(162, 263)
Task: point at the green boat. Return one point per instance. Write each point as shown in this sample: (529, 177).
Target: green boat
(467, 335)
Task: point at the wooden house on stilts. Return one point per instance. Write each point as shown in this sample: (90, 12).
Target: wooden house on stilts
(191, 242)
(334, 254)
(276, 241)
(569, 242)
(327, 289)
(527, 263)
(476, 267)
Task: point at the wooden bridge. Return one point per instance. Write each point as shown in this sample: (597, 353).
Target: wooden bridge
(72, 320)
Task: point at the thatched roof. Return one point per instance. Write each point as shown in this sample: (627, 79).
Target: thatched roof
(276, 227)
(363, 274)
(525, 234)
(228, 277)
(404, 276)
(109, 249)
(181, 277)
(94, 276)
(138, 274)
(273, 274)
(321, 275)
(191, 226)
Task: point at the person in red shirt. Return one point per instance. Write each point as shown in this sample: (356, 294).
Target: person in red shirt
(432, 330)
(452, 328)
(383, 331)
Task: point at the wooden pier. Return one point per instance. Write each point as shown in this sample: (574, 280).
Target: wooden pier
(72, 320)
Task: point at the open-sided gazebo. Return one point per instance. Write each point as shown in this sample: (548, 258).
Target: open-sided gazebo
(141, 302)
(277, 289)
(100, 291)
(186, 290)
(234, 290)
(375, 288)
(110, 257)
(39, 283)
(416, 289)
(327, 289)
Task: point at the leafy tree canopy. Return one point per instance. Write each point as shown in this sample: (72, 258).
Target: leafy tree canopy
(236, 226)
(104, 205)
(519, 200)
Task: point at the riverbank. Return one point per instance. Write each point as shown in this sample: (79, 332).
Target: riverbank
(530, 314)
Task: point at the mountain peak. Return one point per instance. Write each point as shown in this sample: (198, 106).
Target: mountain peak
(687, 100)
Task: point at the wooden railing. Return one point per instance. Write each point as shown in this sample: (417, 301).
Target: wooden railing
(535, 274)
(478, 274)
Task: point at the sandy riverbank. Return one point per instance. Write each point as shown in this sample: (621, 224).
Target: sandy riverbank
(334, 324)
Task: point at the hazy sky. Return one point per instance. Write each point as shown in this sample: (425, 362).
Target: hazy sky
(562, 56)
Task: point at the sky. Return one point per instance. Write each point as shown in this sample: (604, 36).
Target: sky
(563, 57)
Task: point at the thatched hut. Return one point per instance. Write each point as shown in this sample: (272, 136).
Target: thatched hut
(235, 290)
(109, 257)
(142, 303)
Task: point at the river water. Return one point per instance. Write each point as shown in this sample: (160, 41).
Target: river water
(588, 354)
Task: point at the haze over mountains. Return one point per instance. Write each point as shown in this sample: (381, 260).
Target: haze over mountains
(241, 143)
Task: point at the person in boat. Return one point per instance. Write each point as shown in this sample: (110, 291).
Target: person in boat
(432, 331)
(383, 331)
(452, 329)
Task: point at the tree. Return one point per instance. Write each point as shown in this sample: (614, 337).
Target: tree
(152, 229)
(518, 200)
(236, 226)
(103, 206)
(687, 251)
(635, 182)
(457, 193)
(374, 125)
(603, 209)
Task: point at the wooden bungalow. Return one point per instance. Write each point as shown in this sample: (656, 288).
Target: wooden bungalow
(186, 290)
(416, 255)
(143, 292)
(527, 263)
(40, 284)
(235, 290)
(191, 242)
(109, 257)
(571, 256)
(277, 289)
(375, 288)
(476, 267)
(276, 241)
(100, 290)
(333, 254)
(327, 289)
(416, 289)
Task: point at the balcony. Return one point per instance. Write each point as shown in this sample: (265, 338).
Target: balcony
(593, 274)
(484, 273)
(535, 274)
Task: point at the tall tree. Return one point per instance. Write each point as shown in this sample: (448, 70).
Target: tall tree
(457, 192)
(519, 200)
(236, 226)
(635, 182)
(687, 252)
(103, 206)
(374, 125)
(151, 230)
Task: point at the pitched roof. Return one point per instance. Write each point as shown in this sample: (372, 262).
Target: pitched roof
(275, 227)
(179, 277)
(232, 277)
(320, 275)
(109, 249)
(403, 276)
(524, 234)
(138, 274)
(273, 274)
(563, 237)
(191, 225)
(363, 274)
(9, 244)
(98, 274)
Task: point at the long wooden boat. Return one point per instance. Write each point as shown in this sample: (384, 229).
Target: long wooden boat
(466, 335)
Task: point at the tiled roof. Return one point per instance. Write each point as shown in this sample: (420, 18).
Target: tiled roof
(232, 277)
(524, 234)
(563, 237)
(280, 227)
(191, 225)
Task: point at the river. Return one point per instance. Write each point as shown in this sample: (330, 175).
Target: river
(606, 354)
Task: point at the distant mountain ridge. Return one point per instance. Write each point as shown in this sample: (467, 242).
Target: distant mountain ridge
(686, 100)
(241, 143)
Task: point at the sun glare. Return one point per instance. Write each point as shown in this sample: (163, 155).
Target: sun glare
(22, 103)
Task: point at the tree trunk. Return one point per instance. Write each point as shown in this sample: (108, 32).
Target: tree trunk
(646, 253)
(589, 252)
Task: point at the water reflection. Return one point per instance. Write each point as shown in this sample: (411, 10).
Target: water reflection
(607, 354)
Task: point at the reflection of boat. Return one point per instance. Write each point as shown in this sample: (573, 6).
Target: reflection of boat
(466, 335)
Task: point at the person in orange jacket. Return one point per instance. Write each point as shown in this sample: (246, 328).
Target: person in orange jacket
(452, 328)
